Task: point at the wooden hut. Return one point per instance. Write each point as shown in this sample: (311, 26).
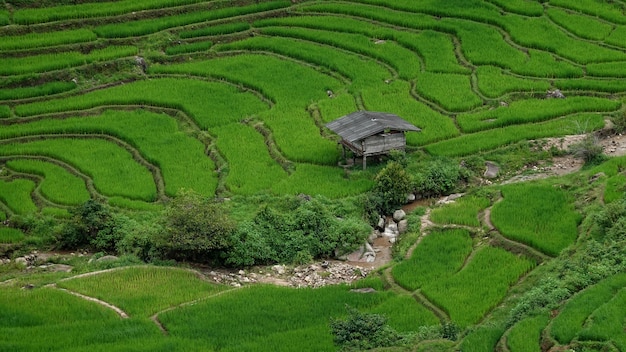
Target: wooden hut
(368, 133)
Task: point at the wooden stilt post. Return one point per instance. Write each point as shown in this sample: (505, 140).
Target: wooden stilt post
(364, 161)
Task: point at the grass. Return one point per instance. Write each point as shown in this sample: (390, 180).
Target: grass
(120, 175)
(58, 185)
(538, 215)
(607, 323)
(479, 286)
(526, 336)
(188, 48)
(143, 291)
(482, 339)
(533, 110)
(573, 315)
(607, 69)
(5, 111)
(452, 91)
(439, 255)
(492, 139)
(149, 26)
(41, 40)
(181, 158)
(62, 60)
(223, 29)
(16, 195)
(493, 82)
(464, 211)
(583, 26)
(36, 91)
(10, 235)
(609, 11)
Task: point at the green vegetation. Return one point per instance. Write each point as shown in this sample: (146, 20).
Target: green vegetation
(189, 133)
(538, 215)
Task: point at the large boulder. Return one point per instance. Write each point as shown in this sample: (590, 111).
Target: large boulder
(398, 215)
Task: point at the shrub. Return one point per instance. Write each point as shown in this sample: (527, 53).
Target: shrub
(361, 331)
(195, 228)
(438, 177)
(92, 225)
(393, 183)
(589, 149)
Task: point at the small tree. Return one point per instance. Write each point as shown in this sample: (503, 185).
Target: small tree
(194, 228)
(393, 184)
(360, 331)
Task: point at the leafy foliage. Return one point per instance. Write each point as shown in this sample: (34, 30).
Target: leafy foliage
(92, 225)
(361, 331)
(195, 228)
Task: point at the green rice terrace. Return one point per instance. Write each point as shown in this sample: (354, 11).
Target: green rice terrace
(169, 180)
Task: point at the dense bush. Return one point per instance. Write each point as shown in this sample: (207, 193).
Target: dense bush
(92, 225)
(195, 228)
(392, 184)
(303, 230)
(362, 331)
(439, 177)
(589, 149)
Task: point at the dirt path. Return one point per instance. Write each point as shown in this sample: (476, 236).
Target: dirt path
(117, 310)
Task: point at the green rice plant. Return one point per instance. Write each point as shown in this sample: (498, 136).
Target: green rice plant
(614, 188)
(208, 103)
(464, 211)
(488, 140)
(253, 319)
(479, 286)
(452, 91)
(250, 167)
(58, 185)
(405, 313)
(28, 16)
(598, 85)
(59, 213)
(401, 59)
(309, 178)
(340, 105)
(182, 159)
(607, 323)
(525, 336)
(5, 111)
(56, 61)
(610, 11)
(395, 98)
(228, 28)
(40, 40)
(188, 48)
(533, 110)
(293, 129)
(363, 75)
(544, 65)
(149, 26)
(581, 25)
(521, 7)
(10, 235)
(607, 69)
(435, 48)
(3, 215)
(493, 82)
(540, 33)
(573, 315)
(36, 91)
(439, 255)
(144, 291)
(4, 18)
(113, 169)
(538, 215)
(618, 37)
(482, 339)
(16, 195)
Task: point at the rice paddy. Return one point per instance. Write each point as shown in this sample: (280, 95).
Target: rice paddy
(131, 102)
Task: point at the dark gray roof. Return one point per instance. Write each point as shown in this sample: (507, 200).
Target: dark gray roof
(362, 124)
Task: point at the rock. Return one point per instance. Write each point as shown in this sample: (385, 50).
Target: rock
(375, 234)
(392, 228)
(241, 272)
(368, 248)
(279, 269)
(491, 170)
(381, 223)
(59, 268)
(555, 94)
(410, 198)
(107, 258)
(363, 290)
(21, 261)
(504, 104)
(28, 287)
(403, 226)
(398, 215)
(141, 62)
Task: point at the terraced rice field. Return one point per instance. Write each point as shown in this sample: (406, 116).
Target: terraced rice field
(131, 101)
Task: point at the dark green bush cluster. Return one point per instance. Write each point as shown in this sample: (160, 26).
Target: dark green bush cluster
(363, 331)
(308, 230)
(198, 229)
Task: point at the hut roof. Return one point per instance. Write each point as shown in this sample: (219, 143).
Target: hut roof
(362, 124)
